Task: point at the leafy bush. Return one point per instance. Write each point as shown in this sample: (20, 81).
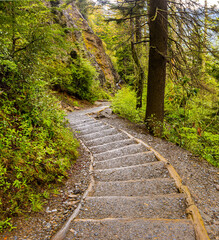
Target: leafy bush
(197, 133)
(209, 143)
(98, 93)
(191, 119)
(36, 149)
(205, 145)
(124, 104)
(83, 74)
(75, 78)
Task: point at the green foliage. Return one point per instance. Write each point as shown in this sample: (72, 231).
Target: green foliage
(75, 76)
(124, 104)
(191, 118)
(6, 224)
(36, 202)
(36, 147)
(205, 145)
(99, 93)
(213, 68)
(107, 31)
(125, 64)
(84, 7)
(78, 79)
(83, 74)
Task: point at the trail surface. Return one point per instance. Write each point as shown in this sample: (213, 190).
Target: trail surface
(134, 192)
(197, 174)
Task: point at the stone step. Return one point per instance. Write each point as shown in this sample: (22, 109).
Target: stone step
(125, 161)
(131, 229)
(80, 121)
(107, 139)
(94, 129)
(103, 133)
(144, 171)
(94, 110)
(89, 126)
(135, 187)
(160, 206)
(84, 124)
(113, 145)
(123, 151)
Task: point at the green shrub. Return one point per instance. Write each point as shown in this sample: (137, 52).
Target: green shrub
(76, 78)
(209, 143)
(191, 122)
(99, 93)
(124, 104)
(182, 124)
(83, 75)
(205, 145)
(36, 149)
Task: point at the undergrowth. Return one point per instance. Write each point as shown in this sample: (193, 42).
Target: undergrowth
(197, 133)
(124, 104)
(36, 149)
(79, 79)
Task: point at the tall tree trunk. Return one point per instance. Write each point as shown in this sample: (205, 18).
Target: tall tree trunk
(139, 69)
(139, 76)
(157, 65)
(203, 65)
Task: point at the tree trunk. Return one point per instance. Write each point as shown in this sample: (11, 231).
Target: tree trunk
(157, 65)
(139, 76)
(139, 69)
(203, 65)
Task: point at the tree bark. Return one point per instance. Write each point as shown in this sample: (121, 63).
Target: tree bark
(157, 65)
(203, 65)
(139, 76)
(136, 58)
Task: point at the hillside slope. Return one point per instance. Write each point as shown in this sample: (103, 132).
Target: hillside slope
(93, 47)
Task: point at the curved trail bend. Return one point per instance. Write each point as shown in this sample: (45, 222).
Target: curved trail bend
(134, 192)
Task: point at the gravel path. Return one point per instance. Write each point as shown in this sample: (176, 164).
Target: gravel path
(201, 178)
(107, 210)
(133, 195)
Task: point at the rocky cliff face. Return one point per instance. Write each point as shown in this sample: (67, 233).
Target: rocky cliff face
(92, 44)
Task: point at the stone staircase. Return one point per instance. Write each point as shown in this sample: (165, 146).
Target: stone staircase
(133, 196)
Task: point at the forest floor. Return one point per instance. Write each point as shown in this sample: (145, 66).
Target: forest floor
(197, 174)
